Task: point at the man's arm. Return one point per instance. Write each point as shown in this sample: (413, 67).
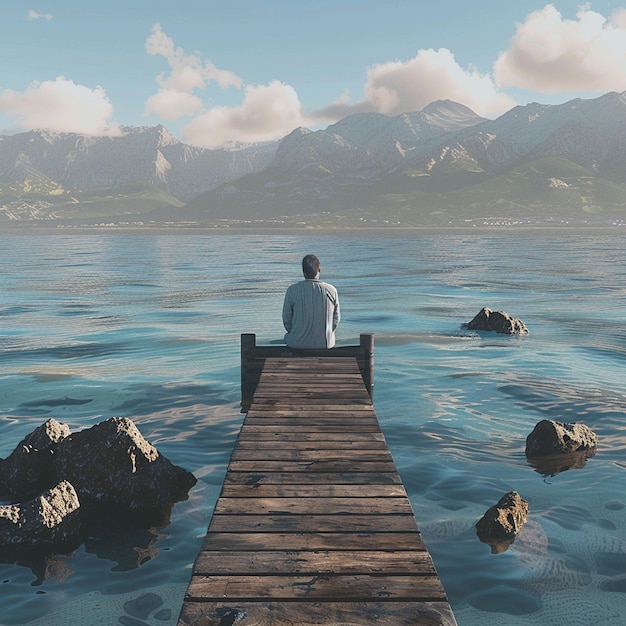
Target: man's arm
(287, 312)
(336, 312)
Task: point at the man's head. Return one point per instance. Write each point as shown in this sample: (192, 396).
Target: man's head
(310, 266)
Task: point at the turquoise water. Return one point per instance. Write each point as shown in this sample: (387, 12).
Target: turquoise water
(148, 325)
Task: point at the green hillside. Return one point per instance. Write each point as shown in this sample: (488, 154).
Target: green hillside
(129, 204)
(549, 190)
(545, 189)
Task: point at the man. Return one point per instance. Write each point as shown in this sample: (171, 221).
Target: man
(311, 309)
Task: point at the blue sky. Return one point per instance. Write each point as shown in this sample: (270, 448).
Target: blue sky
(251, 70)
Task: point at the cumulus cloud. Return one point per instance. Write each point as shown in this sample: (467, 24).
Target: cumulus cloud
(59, 105)
(34, 15)
(405, 86)
(266, 113)
(550, 54)
(171, 104)
(269, 112)
(188, 72)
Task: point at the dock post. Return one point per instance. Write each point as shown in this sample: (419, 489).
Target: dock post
(248, 343)
(367, 348)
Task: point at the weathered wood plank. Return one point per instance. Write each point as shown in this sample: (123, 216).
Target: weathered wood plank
(294, 403)
(364, 613)
(244, 563)
(312, 411)
(316, 523)
(278, 425)
(350, 588)
(335, 506)
(311, 478)
(247, 437)
(258, 490)
(289, 454)
(311, 541)
(330, 465)
(312, 442)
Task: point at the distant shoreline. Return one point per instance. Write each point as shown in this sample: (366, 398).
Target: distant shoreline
(308, 231)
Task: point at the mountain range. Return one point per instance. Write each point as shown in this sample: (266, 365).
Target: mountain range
(444, 165)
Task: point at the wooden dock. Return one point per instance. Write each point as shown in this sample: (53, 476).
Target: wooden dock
(313, 525)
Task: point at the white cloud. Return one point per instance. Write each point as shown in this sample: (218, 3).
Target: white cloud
(34, 15)
(396, 87)
(405, 86)
(171, 104)
(59, 105)
(188, 72)
(550, 54)
(267, 112)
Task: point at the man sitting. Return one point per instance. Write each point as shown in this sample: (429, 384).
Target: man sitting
(311, 309)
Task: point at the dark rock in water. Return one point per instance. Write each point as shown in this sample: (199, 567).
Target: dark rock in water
(143, 605)
(497, 321)
(112, 464)
(64, 484)
(28, 470)
(164, 615)
(550, 438)
(51, 518)
(499, 526)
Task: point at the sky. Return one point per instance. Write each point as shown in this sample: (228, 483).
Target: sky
(219, 72)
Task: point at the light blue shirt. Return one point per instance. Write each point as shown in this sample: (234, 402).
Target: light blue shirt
(311, 314)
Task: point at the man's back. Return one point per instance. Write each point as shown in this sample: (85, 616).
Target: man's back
(311, 314)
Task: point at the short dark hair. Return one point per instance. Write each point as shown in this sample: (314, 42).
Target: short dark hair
(310, 266)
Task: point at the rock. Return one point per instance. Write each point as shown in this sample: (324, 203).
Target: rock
(112, 464)
(29, 468)
(143, 605)
(85, 481)
(50, 518)
(550, 438)
(501, 523)
(501, 322)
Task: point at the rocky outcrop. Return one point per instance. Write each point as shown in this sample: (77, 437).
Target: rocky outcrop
(28, 469)
(107, 472)
(502, 522)
(497, 321)
(549, 438)
(112, 464)
(51, 518)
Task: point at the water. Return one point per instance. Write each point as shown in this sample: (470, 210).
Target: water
(147, 326)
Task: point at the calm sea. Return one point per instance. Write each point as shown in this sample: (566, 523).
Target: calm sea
(148, 326)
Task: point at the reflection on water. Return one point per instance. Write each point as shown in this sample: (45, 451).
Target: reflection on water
(148, 326)
(553, 464)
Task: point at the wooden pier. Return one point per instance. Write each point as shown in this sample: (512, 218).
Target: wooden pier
(313, 525)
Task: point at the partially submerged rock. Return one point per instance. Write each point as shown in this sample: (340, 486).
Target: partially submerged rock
(112, 464)
(550, 438)
(50, 518)
(501, 523)
(57, 482)
(497, 321)
(29, 468)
